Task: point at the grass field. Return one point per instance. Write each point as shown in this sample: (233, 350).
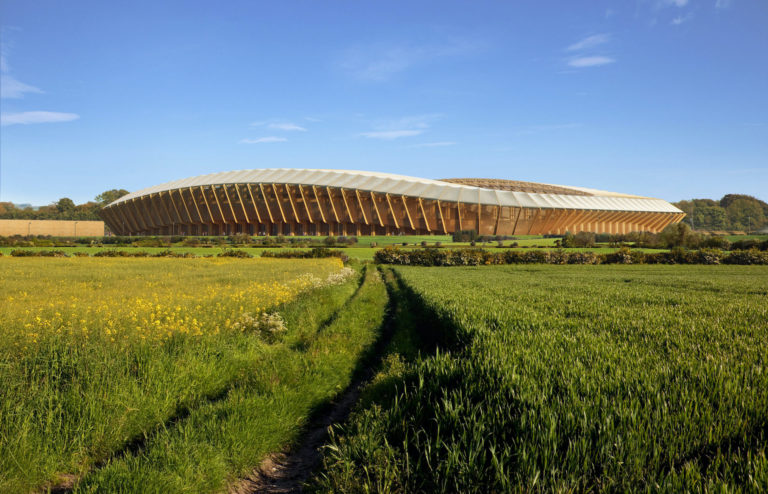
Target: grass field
(359, 253)
(566, 378)
(179, 375)
(736, 238)
(106, 363)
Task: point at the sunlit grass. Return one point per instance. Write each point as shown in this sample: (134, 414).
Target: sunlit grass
(96, 352)
(569, 379)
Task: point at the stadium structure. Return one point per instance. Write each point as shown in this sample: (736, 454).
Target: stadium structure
(286, 201)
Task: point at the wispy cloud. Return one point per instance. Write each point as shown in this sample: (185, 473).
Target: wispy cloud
(408, 126)
(34, 117)
(412, 121)
(723, 4)
(287, 126)
(589, 42)
(433, 144)
(389, 135)
(536, 129)
(593, 61)
(263, 140)
(676, 3)
(681, 19)
(380, 62)
(279, 124)
(581, 58)
(10, 87)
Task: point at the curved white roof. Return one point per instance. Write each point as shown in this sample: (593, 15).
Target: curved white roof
(387, 183)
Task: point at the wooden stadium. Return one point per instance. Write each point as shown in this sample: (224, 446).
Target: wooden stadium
(342, 202)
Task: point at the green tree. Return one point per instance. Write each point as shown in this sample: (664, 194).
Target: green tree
(65, 205)
(745, 213)
(109, 196)
(710, 218)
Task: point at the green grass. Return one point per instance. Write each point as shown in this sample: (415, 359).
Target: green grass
(736, 238)
(225, 439)
(99, 355)
(567, 378)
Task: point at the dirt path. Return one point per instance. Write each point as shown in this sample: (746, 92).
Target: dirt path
(287, 472)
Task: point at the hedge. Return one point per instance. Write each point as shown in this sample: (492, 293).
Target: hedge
(476, 257)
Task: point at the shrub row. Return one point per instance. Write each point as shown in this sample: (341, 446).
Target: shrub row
(475, 257)
(169, 240)
(315, 253)
(677, 235)
(38, 253)
(101, 253)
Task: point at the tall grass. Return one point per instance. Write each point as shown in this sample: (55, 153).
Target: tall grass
(223, 440)
(96, 354)
(570, 378)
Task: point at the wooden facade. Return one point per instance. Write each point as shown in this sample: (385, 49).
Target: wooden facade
(296, 209)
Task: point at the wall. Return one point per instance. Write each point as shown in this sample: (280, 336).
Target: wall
(54, 228)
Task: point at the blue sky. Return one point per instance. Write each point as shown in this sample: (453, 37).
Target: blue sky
(664, 98)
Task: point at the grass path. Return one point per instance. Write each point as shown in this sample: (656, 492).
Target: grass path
(287, 472)
(221, 440)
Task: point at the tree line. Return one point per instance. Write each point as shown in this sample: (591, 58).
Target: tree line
(732, 212)
(63, 209)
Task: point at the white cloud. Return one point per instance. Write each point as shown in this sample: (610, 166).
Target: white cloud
(401, 127)
(33, 117)
(381, 66)
(262, 140)
(681, 19)
(11, 87)
(589, 42)
(410, 122)
(389, 135)
(434, 144)
(286, 126)
(377, 63)
(593, 61)
(536, 129)
(722, 4)
(676, 3)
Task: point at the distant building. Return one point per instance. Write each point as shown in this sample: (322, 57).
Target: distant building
(287, 201)
(54, 228)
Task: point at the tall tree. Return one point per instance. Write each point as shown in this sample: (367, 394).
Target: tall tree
(109, 196)
(65, 205)
(745, 213)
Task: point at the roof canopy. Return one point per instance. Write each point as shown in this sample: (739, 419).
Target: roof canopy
(387, 183)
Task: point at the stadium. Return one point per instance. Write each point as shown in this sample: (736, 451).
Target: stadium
(343, 202)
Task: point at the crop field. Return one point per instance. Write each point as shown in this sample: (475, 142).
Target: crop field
(179, 375)
(169, 374)
(563, 379)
